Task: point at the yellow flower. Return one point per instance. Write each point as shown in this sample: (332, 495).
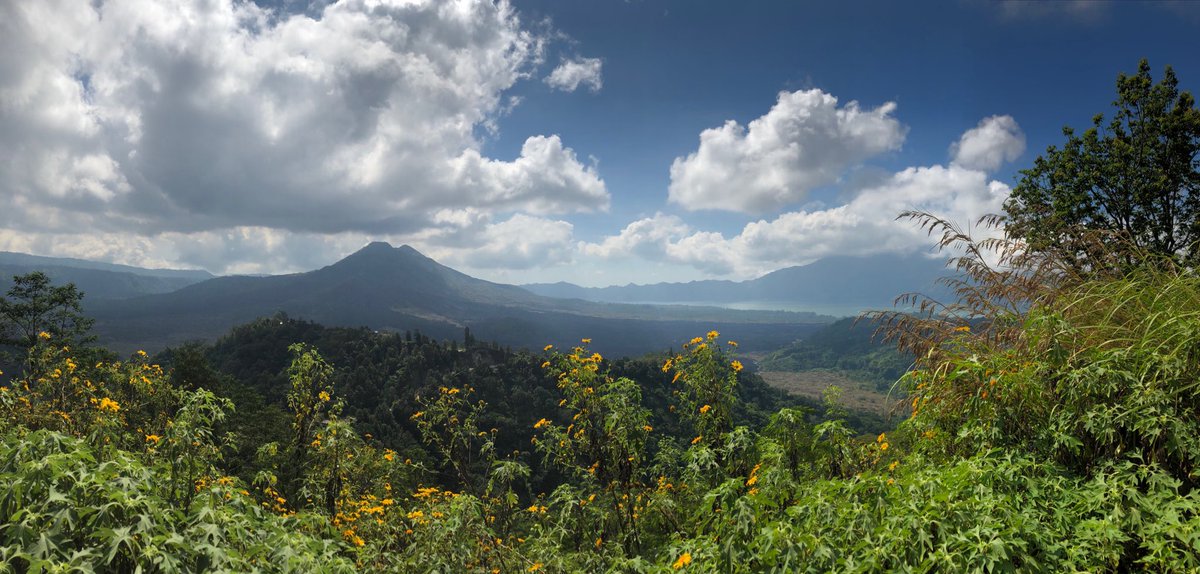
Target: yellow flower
(963, 329)
(737, 366)
(697, 439)
(537, 565)
(667, 365)
(546, 365)
(547, 347)
(713, 334)
(894, 464)
(705, 409)
(153, 438)
(647, 428)
(107, 404)
(695, 341)
(684, 560)
(389, 455)
(732, 343)
(586, 341)
(883, 446)
(417, 415)
(43, 335)
(324, 396)
(541, 423)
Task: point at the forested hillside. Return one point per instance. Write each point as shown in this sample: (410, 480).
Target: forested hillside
(381, 377)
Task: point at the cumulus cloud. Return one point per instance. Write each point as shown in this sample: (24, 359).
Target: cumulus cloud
(994, 142)
(805, 141)
(865, 225)
(648, 238)
(520, 242)
(571, 74)
(242, 250)
(223, 119)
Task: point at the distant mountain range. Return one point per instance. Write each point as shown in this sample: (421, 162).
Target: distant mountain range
(399, 289)
(98, 280)
(839, 282)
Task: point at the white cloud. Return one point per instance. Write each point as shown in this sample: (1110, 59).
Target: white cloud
(864, 225)
(243, 250)
(521, 242)
(994, 142)
(805, 141)
(570, 74)
(220, 120)
(648, 238)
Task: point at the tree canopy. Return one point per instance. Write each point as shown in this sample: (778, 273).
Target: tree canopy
(1133, 180)
(34, 306)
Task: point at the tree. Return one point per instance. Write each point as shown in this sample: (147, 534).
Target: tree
(34, 306)
(1135, 180)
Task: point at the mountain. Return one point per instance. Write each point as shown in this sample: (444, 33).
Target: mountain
(841, 282)
(98, 280)
(23, 259)
(399, 289)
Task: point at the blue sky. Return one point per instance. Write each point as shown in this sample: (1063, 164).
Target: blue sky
(543, 140)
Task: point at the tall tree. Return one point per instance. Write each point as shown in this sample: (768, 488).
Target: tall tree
(33, 305)
(1134, 179)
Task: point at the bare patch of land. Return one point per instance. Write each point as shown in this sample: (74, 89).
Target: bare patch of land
(856, 395)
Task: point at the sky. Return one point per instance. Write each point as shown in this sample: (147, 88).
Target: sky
(598, 142)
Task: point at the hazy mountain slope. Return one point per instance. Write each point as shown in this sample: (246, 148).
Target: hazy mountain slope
(399, 289)
(26, 260)
(98, 283)
(868, 282)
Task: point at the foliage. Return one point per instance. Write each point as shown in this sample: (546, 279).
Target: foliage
(1135, 179)
(68, 506)
(1054, 428)
(35, 306)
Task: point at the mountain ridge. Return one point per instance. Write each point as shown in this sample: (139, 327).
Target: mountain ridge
(29, 260)
(854, 281)
(398, 288)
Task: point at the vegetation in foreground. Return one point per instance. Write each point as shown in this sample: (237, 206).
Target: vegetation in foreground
(1069, 444)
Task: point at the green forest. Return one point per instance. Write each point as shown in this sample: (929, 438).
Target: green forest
(1052, 421)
